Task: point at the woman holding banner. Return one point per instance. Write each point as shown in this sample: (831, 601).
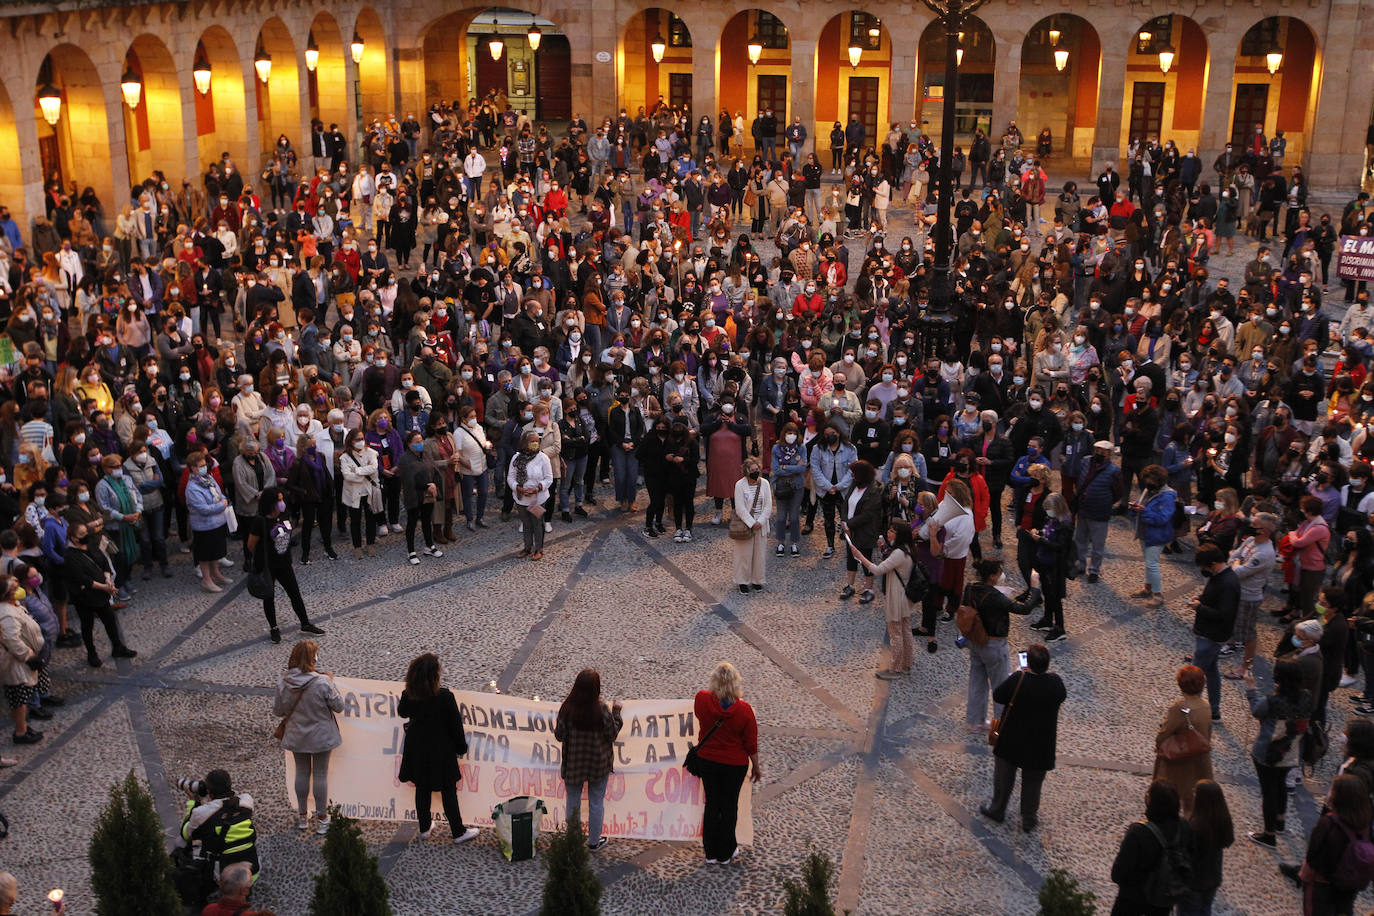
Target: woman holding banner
(434, 741)
(588, 729)
(729, 744)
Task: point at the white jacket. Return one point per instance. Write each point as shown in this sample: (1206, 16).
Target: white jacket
(537, 474)
(471, 444)
(359, 474)
(744, 502)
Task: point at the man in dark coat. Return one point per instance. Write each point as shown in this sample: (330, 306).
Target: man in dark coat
(1214, 618)
(1027, 736)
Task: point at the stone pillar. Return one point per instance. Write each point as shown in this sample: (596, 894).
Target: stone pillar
(1216, 107)
(408, 76)
(117, 171)
(351, 130)
(31, 168)
(1111, 100)
(802, 103)
(594, 80)
(1006, 86)
(252, 129)
(901, 98)
(1336, 149)
(190, 129)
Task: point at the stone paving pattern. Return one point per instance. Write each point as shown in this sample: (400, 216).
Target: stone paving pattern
(882, 776)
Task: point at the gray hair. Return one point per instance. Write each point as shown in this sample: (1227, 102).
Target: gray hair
(236, 880)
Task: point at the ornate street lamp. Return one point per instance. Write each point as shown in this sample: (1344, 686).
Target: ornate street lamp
(1061, 59)
(856, 54)
(495, 44)
(50, 103)
(1054, 37)
(937, 325)
(200, 71)
(312, 53)
(1273, 58)
(658, 46)
(262, 62)
(755, 48)
(534, 36)
(131, 87)
(356, 47)
(1166, 57)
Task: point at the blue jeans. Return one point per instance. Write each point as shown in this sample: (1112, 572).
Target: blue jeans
(625, 472)
(1153, 579)
(572, 482)
(475, 488)
(787, 524)
(988, 667)
(1205, 656)
(1196, 903)
(596, 804)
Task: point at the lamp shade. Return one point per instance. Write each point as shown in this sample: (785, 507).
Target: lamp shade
(50, 103)
(1166, 58)
(755, 48)
(356, 47)
(658, 46)
(131, 87)
(1054, 37)
(959, 57)
(200, 73)
(1273, 59)
(496, 46)
(856, 54)
(1145, 36)
(1061, 59)
(262, 62)
(312, 53)
(534, 37)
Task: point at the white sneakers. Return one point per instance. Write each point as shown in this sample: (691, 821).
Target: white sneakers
(433, 551)
(469, 834)
(413, 560)
(322, 826)
(548, 527)
(717, 518)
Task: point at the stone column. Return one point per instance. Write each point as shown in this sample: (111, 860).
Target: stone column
(1111, 100)
(31, 169)
(1006, 87)
(1216, 106)
(408, 76)
(252, 141)
(901, 98)
(1336, 148)
(802, 102)
(351, 129)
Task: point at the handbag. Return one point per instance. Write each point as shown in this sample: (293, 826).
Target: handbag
(995, 726)
(751, 197)
(280, 731)
(374, 498)
(1184, 744)
(740, 531)
(231, 519)
(259, 585)
(691, 762)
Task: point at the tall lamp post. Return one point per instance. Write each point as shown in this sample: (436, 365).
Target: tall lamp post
(937, 324)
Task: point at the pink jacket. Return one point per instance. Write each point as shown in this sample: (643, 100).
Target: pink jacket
(1310, 541)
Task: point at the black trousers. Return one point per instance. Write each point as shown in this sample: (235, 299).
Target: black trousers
(721, 783)
(658, 497)
(285, 576)
(684, 503)
(449, 795)
(311, 515)
(1004, 779)
(1273, 795)
(88, 614)
(355, 524)
(422, 514)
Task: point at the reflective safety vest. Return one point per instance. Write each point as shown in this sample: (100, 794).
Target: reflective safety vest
(227, 836)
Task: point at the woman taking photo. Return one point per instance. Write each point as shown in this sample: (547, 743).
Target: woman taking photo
(1187, 721)
(587, 728)
(753, 502)
(729, 746)
(358, 468)
(269, 546)
(434, 741)
(531, 481)
(896, 569)
(863, 521)
(307, 700)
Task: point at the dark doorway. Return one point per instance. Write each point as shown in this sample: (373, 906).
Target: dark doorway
(680, 89)
(1147, 110)
(553, 79)
(491, 74)
(1252, 103)
(772, 94)
(863, 101)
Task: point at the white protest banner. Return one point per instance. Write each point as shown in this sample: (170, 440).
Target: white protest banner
(1355, 258)
(511, 752)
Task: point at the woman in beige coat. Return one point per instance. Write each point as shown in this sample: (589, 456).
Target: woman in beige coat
(1190, 709)
(22, 640)
(897, 568)
(754, 507)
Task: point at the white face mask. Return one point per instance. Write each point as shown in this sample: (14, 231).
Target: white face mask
(791, 438)
(904, 473)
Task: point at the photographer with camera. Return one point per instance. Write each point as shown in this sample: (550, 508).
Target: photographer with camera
(218, 830)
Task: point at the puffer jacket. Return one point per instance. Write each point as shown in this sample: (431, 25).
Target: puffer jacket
(22, 639)
(1154, 525)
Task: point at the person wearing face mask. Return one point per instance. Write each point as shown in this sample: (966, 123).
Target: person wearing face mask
(989, 663)
(531, 480)
(683, 384)
(1154, 528)
(208, 511)
(420, 490)
(121, 505)
(830, 462)
(310, 484)
(269, 545)
(90, 582)
(753, 506)
(362, 491)
(23, 669)
(145, 475)
(726, 433)
(861, 526)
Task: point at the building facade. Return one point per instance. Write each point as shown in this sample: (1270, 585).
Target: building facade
(233, 76)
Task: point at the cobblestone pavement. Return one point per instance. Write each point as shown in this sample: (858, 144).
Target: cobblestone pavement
(882, 776)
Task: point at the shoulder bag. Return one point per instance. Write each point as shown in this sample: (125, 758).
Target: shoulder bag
(740, 531)
(692, 761)
(1184, 743)
(280, 731)
(995, 728)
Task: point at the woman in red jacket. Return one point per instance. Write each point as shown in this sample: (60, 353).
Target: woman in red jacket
(729, 745)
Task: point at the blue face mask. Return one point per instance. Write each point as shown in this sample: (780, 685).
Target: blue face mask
(417, 447)
(1297, 643)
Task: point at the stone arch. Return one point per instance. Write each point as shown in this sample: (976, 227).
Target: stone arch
(77, 149)
(279, 101)
(328, 91)
(1060, 98)
(374, 71)
(844, 89)
(748, 87)
(641, 78)
(222, 123)
(154, 130)
(1167, 104)
(1285, 100)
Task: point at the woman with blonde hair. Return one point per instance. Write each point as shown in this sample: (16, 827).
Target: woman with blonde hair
(1051, 364)
(729, 745)
(753, 503)
(308, 700)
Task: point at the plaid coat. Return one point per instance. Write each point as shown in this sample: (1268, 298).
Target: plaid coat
(588, 754)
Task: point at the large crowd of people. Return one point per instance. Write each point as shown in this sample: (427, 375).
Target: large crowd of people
(473, 308)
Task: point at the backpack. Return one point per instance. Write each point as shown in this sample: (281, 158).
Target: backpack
(1313, 744)
(1167, 882)
(916, 585)
(1356, 868)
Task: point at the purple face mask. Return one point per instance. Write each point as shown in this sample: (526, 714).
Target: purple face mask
(382, 425)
